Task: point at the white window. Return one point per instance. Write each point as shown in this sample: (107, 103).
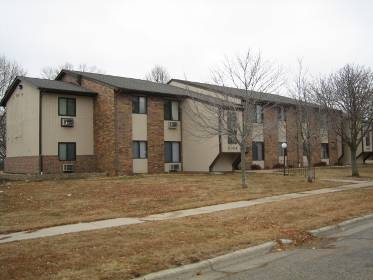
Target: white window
(171, 110)
(139, 105)
(172, 152)
(139, 149)
(324, 150)
(258, 151)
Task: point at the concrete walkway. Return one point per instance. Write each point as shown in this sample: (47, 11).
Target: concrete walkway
(58, 230)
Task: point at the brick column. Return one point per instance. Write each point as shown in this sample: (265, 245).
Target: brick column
(315, 143)
(293, 138)
(124, 134)
(104, 131)
(155, 134)
(270, 130)
(333, 147)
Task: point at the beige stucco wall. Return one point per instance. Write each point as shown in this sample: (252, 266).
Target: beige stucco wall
(224, 162)
(81, 133)
(258, 135)
(368, 148)
(140, 165)
(139, 127)
(172, 134)
(229, 148)
(22, 122)
(198, 152)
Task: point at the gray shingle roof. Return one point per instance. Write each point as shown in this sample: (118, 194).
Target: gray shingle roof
(131, 84)
(47, 85)
(239, 92)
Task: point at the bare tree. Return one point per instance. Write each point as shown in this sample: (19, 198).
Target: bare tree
(52, 72)
(158, 74)
(2, 135)
(308, 115)
(348, 96)
(234, 112)
(8, 71)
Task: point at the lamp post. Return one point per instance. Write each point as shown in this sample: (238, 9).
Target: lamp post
(284, 146)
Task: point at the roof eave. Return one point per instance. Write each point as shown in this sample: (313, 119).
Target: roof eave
(9, 91)
(67, 92)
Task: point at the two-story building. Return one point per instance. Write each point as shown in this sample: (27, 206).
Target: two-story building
(86, 122)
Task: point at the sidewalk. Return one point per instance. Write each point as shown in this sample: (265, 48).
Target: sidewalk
(63, 229)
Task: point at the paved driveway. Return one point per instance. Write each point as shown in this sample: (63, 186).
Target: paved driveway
(350, 256)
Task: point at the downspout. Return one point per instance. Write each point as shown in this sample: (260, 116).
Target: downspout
(40, 134)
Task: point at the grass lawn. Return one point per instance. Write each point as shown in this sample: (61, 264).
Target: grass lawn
(366, 172)
(32, 205)
(127, 252)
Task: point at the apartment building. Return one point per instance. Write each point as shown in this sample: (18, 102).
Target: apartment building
(87, 122)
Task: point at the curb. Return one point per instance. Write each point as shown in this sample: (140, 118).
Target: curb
(343, 226)
(190, 271)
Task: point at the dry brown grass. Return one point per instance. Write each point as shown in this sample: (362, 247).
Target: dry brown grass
(366, 172)
(32, 205)
(126, 252)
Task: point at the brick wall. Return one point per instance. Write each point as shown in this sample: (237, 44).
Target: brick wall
(293, 138)
(249, 154)
(83, 163)
(270, 131)
(27, 164)
(124, 134)
(333, 147)
(104, 131)
(155, 134)
(315, 143)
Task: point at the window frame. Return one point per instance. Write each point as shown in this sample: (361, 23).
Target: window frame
(172, 152)
(136, 109)
(139, 149)
(59, 152)
(254, 143)
(257, 113)
(327, 150)
(367, 140)
(168, 103)
(67, 113)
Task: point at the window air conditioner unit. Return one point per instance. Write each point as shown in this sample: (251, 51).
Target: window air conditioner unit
(67, 122)
(172, 125)
(68, 168)
(174, 167)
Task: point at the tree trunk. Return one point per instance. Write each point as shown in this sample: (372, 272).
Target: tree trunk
(354, 169)
(309, 168)
(243, 167)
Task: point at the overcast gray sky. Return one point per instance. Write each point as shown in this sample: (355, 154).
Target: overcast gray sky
(187, 37)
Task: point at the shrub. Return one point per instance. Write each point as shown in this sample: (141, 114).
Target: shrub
(256, 167)
(278, 166)
(318, 164)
